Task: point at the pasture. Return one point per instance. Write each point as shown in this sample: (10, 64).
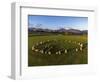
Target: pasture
(57, 50)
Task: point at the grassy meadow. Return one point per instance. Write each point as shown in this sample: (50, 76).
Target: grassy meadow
(44, 50)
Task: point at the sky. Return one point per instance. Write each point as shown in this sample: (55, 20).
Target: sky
(57, 22)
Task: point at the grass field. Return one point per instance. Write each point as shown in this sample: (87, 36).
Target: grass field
(57, 50)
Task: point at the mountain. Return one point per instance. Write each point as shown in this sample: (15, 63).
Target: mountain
(74, 31)
(61, 30)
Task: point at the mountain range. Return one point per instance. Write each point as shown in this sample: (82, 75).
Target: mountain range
(61, 30)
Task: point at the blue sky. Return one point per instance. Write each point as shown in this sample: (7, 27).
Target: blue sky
(56, 22)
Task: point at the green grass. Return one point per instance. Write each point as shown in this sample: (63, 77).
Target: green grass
(56, 43)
